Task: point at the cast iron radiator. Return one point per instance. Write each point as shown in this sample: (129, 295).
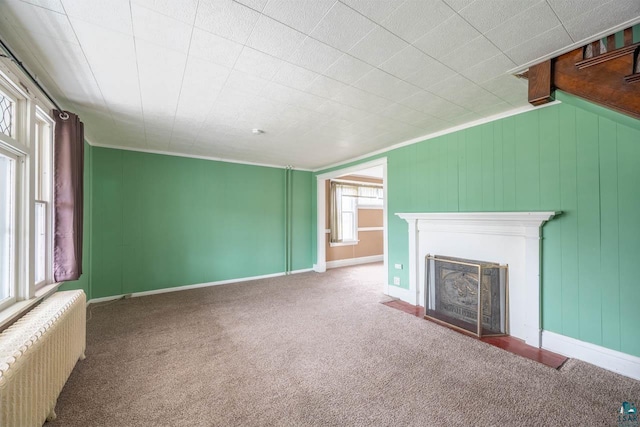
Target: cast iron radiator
(37, 355)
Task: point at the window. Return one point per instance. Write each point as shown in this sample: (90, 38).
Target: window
(349, 218)
(370, 197)
(43, 208)
(346, 198)
(7, 227)
(26, 155)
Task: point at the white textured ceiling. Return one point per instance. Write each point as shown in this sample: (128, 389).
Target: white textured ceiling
(326, 80)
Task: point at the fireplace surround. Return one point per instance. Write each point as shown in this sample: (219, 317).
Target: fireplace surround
(507, 238)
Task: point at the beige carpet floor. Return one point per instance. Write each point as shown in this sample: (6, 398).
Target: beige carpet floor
(313, 350)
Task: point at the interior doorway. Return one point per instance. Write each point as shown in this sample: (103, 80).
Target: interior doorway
(352, 217)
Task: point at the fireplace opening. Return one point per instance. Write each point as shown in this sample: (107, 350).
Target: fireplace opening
(455, 296)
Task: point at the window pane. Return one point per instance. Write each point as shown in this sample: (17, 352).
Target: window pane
(7, 240)
(38, 162)
(347, 226)
(348, 204)
(41, 242)
(42, 159)
(6, 115)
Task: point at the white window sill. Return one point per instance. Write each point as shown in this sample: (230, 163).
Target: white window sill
(349, 243)
(47, 290)
(13, 312)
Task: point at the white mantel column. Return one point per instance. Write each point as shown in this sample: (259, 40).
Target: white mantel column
(533, 323)
(414, 254)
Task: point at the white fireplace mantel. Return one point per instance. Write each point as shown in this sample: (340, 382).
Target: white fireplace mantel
(511, 238)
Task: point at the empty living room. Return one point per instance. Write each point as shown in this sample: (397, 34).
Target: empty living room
(319, 213)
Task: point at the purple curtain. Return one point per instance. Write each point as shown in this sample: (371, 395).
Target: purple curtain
(68, 170)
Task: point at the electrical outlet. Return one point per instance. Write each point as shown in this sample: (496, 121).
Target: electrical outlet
(398, 266)
(396, 281)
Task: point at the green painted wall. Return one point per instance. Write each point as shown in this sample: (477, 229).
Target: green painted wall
(574, 157)
(160, 221)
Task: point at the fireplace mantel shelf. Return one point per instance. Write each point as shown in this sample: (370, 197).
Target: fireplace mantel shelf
(521, 218)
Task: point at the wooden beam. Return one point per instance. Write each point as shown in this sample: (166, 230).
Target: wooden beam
(604, 84)
(540, 83)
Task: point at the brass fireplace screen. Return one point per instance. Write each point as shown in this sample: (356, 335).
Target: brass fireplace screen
(453, 296)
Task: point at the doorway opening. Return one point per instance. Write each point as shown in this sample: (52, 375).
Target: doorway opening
(352, 217)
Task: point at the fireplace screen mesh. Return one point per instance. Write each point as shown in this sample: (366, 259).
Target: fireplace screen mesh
(454, 295)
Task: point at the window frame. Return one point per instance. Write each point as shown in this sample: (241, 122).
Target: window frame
(14, 215)
(30, 105)
(356, 205)
(43, 165)
(354, 223)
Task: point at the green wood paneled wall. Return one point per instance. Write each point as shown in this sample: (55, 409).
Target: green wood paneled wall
(573, 157)
(161, 221)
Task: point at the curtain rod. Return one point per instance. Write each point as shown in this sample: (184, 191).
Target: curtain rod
(10, 55)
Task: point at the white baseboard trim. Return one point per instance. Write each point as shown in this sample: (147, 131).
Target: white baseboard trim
(354, 261)
(196, 286)
(612, 360)
(403, 294)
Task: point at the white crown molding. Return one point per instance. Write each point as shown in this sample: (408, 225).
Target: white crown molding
(612, 360)
(196, 286)
(354, 261)
(504, 114)
(191, 156)
(602, 34)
